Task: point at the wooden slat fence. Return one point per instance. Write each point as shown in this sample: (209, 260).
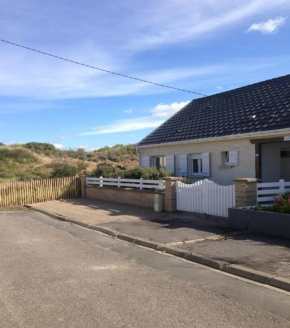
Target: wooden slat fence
(35, 191)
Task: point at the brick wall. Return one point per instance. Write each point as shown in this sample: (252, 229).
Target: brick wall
(246, 192)
(122, 195)
(170, 194)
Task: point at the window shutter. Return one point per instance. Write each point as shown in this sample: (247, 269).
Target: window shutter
(183, 164)
(205, 164)
(145, 161)
(170, 163)
(151, 161)
(234, 157)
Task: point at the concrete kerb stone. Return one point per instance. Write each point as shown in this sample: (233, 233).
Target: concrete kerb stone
(215, 264)
(147, 243)
(279, 282)
(173, 251)
(238, 270)
(248, 273)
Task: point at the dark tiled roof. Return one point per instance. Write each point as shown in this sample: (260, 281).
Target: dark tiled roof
(258, 107)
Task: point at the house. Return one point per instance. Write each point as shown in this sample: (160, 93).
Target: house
(242, 133)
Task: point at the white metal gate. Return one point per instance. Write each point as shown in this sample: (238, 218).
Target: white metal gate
(205, 197)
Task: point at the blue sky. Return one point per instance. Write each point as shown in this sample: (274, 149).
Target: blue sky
(207, 46)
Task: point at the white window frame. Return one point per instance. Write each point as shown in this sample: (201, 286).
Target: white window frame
(198, 157)
(225, 158)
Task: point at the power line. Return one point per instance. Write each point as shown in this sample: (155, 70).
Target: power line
(101, 69)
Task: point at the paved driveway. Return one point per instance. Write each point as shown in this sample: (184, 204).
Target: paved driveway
(54, 274)
(140, 222)
(204, 235)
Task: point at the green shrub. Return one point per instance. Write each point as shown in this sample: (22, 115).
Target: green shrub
(281, 205)
(42, 148)
(64, 170)
(186, 180)
(81, 166)
(151, 173)
(18, 155)
(81, 154)
(117, 153)
(106, 170)
(36, 173)
(67, 170)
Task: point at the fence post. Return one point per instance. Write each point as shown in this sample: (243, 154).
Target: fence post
(282, 186)
(101, 181)
(170, 203)
(246, 191)
(83, 179)
(161, 185)
(119, 182)
(141, 183)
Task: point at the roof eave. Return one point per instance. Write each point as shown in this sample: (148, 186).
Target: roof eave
(279, 132)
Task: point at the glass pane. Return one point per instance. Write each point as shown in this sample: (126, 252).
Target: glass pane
(195, 166)
(227, 158)
(158, 162)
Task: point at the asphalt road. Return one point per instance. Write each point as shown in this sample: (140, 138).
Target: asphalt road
(54, 274)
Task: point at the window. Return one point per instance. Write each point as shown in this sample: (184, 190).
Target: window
(285, 154)
(230, 158)
(194, 165)
(197, 166)
(226, 158)
(196, 161)
(159, 162)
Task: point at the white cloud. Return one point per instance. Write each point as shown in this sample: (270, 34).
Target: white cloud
(159, 115)
(187, 20)
(128, 111)
(142, 26)
(126, 125)
(58, 146)
(65, 136)
(165, 110)
(267, 27)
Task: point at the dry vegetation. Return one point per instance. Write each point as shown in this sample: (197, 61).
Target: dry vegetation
(20, 162)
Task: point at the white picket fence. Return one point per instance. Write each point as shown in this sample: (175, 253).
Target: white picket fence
(268, 192)
(129, 183)
(205, 197)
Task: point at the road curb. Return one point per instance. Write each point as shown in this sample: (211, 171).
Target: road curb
(234, 269)
(279, 282)
(248, 273)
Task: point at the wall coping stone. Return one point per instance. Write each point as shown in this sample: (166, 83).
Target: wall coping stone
(250, 180)
(128, 189)
(173, 178)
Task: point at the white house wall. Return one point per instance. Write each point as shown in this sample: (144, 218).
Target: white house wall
(224, 176)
